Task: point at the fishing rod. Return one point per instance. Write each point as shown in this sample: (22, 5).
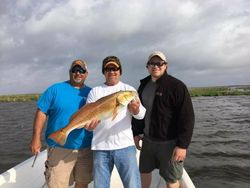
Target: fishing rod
(34, 160)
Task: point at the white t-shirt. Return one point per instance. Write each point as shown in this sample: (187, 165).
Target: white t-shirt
(113, 134)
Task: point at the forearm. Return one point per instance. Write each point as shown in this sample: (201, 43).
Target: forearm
(38, 124)
(137, 126)
(35, 145)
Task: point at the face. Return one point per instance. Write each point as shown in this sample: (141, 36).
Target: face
(156, 67)
(78, 76)
(112, 75)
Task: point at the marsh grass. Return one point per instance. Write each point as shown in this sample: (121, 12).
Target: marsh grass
(194, 92)
(19, 98)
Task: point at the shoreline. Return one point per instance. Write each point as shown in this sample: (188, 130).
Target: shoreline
(19, 97)
(194, 92)
(220, 91)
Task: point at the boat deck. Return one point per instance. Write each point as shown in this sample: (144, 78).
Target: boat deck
(25, 176)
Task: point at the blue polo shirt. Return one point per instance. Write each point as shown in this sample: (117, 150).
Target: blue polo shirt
(59, 102)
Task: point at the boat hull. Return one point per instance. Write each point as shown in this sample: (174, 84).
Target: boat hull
(25, 176)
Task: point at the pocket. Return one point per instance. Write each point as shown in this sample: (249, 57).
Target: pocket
(53, 157)
(176, 169)
(47, 172)
(50, 151)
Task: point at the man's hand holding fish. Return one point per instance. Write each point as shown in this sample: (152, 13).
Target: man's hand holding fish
(92, 125)
(134, 106)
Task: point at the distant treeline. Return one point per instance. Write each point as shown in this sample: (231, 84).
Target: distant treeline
(219, 91)
(194, 92)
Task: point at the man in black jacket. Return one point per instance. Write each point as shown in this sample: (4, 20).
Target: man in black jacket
(167, 128)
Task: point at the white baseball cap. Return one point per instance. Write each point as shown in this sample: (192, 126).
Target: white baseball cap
(159, 54)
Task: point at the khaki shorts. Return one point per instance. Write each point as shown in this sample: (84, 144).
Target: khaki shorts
(64, 166)
(156, 155)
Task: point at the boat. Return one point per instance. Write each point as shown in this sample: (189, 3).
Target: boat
(30, 175)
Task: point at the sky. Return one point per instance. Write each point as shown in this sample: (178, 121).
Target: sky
(207, 43)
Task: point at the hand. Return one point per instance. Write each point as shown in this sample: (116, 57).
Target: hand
(35, 146)
(137, 140)
(179, 154)
(133, 107)
(92, 124)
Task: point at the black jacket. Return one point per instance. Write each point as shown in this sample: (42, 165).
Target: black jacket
(172, 115)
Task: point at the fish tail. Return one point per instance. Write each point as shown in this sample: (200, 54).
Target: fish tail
(59, 136)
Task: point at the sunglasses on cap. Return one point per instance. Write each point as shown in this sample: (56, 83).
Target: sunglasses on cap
(79, 69)
(156, 64)
(110, 69)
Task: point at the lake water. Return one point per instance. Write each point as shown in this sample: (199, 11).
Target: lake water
(219, 155)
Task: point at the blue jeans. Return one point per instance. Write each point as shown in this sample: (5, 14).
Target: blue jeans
(125, 162)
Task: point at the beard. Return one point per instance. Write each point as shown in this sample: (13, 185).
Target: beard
(77, 80)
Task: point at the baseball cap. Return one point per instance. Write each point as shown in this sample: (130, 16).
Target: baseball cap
(159, 54)
(112, 63)
(80, 63)
(111, 60)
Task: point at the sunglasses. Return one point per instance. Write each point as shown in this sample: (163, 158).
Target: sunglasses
(110, 69)
(76, 69)
(156, 64)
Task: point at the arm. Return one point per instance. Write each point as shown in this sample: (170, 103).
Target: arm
(138, 111)
(185, 119)
(39, 121)
(138, 126)
(134, 109)
(185, 126)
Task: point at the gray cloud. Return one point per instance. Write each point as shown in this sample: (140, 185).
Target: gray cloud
(206, 42)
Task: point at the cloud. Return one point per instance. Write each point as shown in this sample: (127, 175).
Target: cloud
(202, 40)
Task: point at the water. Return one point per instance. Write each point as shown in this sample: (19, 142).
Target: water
(219, 155)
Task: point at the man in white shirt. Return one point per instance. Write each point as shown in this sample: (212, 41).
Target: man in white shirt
(113, 142)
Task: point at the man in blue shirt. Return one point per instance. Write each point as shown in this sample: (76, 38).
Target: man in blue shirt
(73, 161)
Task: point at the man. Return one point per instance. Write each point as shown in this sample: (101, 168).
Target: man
(113, 142)
(168, 125)
(73, 161)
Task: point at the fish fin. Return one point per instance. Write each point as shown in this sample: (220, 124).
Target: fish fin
(59, 137)
(114, 114)
(83, 125)
(120, 100)
(80, 127)
(115, 111)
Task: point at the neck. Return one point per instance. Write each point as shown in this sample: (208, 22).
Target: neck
(111, 83)
(154, 79)
(76, 85)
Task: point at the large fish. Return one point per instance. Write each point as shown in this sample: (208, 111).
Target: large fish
(103, 108)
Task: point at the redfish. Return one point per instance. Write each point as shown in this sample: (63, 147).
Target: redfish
(103, 108)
